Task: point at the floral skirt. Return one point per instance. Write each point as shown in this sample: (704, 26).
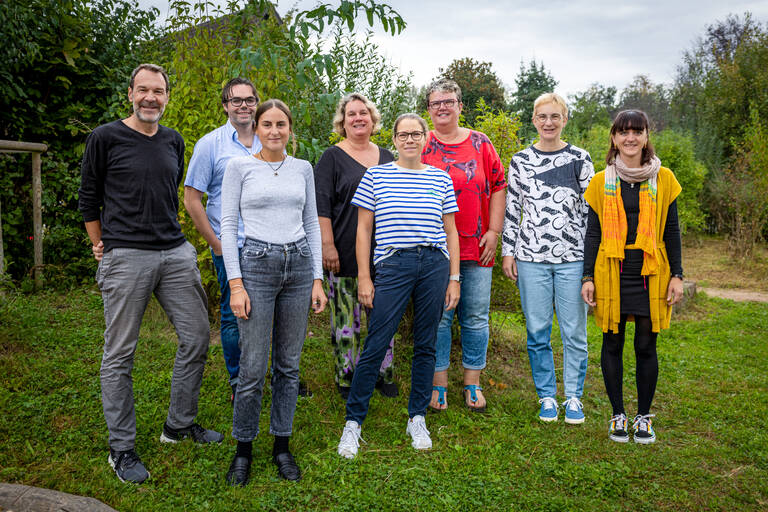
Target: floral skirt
(345, 331)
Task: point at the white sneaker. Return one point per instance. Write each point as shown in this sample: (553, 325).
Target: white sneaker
(350, 440)
(417, 428)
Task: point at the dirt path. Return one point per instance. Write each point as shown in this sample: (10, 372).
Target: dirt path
(736, 294)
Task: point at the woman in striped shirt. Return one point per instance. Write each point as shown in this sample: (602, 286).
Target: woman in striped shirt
(412, 206)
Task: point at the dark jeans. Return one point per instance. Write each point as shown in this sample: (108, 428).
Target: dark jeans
(278, 279)
(420, 273)
(230, 336)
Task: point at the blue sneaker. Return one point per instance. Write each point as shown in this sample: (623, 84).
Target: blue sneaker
(548, 410)
(573, 411)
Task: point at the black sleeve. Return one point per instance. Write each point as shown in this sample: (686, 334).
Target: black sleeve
(672, 240)
(385, 156)
(92, 168)
(324, 186)
(591, 242)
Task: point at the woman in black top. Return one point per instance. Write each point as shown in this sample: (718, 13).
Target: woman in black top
(632, 263)
(337, 175)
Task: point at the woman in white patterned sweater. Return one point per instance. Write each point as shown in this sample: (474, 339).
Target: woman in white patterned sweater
(543, 250)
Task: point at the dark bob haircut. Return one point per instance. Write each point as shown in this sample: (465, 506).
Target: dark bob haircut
(631, 120)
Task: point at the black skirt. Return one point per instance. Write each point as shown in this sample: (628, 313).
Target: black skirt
(633, 287)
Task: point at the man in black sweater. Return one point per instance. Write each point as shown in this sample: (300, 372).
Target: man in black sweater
(131, 172)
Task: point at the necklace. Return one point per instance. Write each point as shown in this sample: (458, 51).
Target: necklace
(274, 169)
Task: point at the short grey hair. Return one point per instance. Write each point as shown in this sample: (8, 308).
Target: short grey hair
(443, 85)
(338, 118)
(153, 68)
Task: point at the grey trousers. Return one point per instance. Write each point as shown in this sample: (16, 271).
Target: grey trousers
(127, 279)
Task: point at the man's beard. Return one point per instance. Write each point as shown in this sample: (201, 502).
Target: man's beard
(147, 119)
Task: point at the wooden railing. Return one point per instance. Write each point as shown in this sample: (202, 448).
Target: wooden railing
(9, 146)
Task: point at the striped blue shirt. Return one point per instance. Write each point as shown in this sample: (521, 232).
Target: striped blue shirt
(408, 207)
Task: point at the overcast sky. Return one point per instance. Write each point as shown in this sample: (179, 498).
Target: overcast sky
(579, 42)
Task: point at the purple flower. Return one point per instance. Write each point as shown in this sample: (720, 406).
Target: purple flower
(469, 168)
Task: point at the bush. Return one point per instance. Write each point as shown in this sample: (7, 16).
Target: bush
(676, 151)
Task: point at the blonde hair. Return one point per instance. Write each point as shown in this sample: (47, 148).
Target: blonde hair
(338, 118)
(550, 97)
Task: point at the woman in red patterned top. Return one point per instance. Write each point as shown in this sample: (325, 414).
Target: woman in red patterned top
(478, 179)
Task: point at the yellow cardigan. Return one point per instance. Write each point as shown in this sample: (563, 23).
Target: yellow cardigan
(608, 310)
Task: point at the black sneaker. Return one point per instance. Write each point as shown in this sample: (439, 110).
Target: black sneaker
(128, 466)
(618, 429)
(644, 433)
(195, 431)
(387, 389)
(304, 390)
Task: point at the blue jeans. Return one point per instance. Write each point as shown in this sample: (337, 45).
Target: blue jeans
(420, 273)
(474, 304)
(540, 285)
(230, 336)
(278, 279)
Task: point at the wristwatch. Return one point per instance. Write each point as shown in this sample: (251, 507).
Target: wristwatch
(454, 277)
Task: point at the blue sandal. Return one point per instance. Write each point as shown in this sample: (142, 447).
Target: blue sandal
(441, 391)
(473, 389)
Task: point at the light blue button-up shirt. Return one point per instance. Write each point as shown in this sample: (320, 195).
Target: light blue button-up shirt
(207, 166)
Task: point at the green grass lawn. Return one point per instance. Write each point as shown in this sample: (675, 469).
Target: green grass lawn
(711, 406)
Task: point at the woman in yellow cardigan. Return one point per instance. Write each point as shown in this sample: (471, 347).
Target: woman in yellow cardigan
(632, 263)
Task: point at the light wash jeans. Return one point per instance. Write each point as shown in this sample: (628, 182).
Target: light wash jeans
(278, 279)
(474, 304)
(127, 279)
(421, 274)
(230, 335)
(540, 285)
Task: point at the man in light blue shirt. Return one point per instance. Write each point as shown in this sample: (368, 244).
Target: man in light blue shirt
(236, 137)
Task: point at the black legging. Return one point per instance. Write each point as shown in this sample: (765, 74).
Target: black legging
(612, 365)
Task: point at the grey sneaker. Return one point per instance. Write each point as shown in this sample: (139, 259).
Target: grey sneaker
(128, 466)
(195, 431)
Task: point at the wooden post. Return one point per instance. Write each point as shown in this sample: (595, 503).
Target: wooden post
(37, 218)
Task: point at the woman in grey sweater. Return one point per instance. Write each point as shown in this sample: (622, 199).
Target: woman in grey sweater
(272, 279)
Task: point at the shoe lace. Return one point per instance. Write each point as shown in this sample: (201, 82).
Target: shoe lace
(642, 422)
(548, 400)
(419, 429)
(619, 422)
(128, 459)
(573, 403)
(197, 432)
(352, 436)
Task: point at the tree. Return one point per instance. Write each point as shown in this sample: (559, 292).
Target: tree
(721, 97)
(594, 106)
(531, 82)
(477, 80)
(643, 94)
(719, 76)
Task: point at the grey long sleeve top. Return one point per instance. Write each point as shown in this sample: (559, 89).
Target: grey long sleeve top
(277, 208)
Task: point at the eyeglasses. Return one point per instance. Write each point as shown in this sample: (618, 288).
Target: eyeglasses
(251, 101)
(435, 105)
(403, 136)
(542, 118)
